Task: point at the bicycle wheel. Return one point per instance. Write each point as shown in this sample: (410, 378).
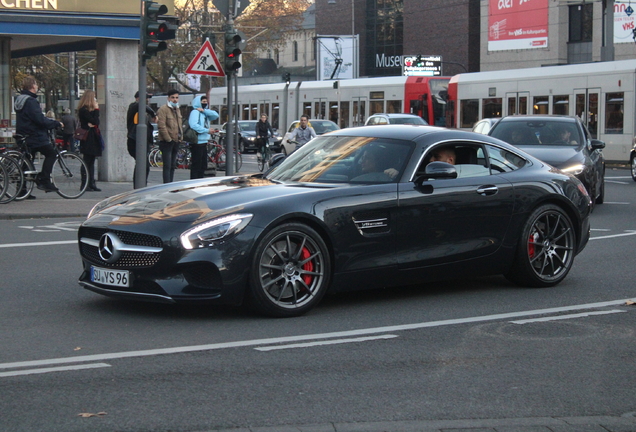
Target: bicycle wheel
(28, 171)
(260, 161)
(4, 180)
(158, 159)
(15, 179)
(151, 157)
(238, 161)
(69, 175)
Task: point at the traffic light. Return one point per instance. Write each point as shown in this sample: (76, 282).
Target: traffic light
(287, 78)
(234, 44)
(155, 30)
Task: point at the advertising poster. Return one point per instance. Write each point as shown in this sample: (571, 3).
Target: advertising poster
(624, 22)
(517, 24)
(337, 57)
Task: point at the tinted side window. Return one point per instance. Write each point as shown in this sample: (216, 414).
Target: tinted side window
(502, 161)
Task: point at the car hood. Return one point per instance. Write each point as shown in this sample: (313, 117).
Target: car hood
(557, 156)
(194, 201)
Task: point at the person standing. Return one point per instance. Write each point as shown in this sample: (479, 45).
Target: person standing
(263, 132)
(91, 148)
(70, 124)
(303, 133)
(30, 122)
(199, 121)
(170, 133)
(131, 126)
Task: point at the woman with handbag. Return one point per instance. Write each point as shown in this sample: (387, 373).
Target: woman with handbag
(92, 145)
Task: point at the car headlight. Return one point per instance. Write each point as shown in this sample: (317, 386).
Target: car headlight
(208, 233)
(574, 169)
(250, 138)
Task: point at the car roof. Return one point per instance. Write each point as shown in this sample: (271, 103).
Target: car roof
(405, 131)
(540, 117)
(394, 115)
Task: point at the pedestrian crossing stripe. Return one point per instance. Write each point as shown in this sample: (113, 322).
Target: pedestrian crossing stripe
(206, 62)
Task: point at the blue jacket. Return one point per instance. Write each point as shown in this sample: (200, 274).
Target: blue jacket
(200, 121)
(30, 121)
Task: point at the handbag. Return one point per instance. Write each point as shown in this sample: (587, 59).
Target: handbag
(190, 135)
(80, 134)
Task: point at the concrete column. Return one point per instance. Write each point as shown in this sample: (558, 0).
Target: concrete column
(117, 82)
(5, 79)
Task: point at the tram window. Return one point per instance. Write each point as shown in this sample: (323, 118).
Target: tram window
(394, 106)
(512, 106)
(359, 113)
(376, 107)
(491, 107)
(253, 112)
(540, 105)
(523, 105)
(320, 110)
(307, 110)
(614, 113)
(333, 112)
(275, 115)
(469, 112)
(263, 109)
(561, 105)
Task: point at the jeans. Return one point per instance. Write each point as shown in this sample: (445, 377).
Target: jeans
(199, 160)
(169, 157)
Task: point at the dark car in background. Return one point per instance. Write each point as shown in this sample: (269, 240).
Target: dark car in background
(561, 141)
(394, 118)
(247, 136)
(353, 209)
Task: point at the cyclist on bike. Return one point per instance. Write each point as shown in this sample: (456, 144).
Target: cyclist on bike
(263, 132)
(30, 122)
(303, 133)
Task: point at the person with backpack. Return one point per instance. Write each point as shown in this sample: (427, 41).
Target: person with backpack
(199, 121)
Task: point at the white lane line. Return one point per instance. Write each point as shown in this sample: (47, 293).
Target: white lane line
(284, 339)
(600, 229)
(329, 342)
(628, 233)
(51, 243)
(53, 369)
(616, 202)
(617, 182)
(570, 316)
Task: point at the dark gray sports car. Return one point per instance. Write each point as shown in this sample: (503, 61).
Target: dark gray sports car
(353, 209)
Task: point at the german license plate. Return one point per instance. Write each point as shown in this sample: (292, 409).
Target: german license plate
(120, 278)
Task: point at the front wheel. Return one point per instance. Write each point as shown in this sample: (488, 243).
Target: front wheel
(633, 167)
(546, 248)
(69, 175)
(290, 271)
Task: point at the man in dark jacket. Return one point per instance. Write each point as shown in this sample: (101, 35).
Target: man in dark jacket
(131, 126)
(31, 122)
(70, 124)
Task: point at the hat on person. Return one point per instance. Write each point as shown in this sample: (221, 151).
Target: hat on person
(148, 95)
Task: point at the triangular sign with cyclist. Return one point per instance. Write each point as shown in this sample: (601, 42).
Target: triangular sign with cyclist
(206, 62)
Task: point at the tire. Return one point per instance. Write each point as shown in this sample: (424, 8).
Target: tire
(546, 249)
(69, 175)
(15, 179)
(4, 181)
(158, 159)
(261, 163)
(601, 196)
(633, 167)
(29, 172)
(290, 271)
(238, 162)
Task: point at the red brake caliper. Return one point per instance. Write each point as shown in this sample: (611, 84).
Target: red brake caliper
(531, 247)
(308, 266)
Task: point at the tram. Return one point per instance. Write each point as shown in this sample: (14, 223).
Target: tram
(345, 102)
(601, 94)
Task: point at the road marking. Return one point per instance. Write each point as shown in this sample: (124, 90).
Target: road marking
(51, 243)
(53, 369)
(600, 229)
(627, 233)
(562, 317)
(616, 182)
(616, 203)
(284, 339)
(329, 342)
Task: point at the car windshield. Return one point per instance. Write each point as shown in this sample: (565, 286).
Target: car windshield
(535, 132)
(337, 159)
(247, 125)
(407, 120)
(323, 126)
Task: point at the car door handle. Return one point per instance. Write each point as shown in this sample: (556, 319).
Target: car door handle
(487, 190)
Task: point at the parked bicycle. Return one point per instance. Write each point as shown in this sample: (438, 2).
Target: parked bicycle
(12, 175)
(218, 156)
(69, 172)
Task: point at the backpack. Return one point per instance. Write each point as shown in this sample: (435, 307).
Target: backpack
(190, 135)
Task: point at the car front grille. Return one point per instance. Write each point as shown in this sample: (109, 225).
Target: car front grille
(90, 251)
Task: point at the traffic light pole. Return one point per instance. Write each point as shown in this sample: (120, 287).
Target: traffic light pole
(229, 134)
(141, 136)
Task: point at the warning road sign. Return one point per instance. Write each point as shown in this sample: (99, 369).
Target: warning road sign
(206, 62)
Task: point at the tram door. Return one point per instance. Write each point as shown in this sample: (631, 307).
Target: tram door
(517, 103)
(358, 111)
(586, 107)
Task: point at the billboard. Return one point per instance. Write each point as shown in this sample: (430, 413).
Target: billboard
(422, 65)
(337, 57)
(624, 17)
(517, 24)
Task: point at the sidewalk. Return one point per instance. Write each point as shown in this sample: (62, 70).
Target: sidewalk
(52, 205)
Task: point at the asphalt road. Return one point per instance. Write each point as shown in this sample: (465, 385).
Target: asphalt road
(471, 353)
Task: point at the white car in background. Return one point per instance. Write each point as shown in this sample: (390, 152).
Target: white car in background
(320, 126)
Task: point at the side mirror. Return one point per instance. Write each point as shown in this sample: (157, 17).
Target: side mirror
(597, 144)
(436, 170)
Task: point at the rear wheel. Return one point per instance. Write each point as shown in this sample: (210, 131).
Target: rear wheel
(545, 252)
(601, 196)
(633, 167)
(15, 179)
(69, 175)
(290, 271)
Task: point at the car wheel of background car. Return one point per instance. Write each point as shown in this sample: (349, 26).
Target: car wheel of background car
(545, 252)
(633, 165)
(601, 196)
(290, 271)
